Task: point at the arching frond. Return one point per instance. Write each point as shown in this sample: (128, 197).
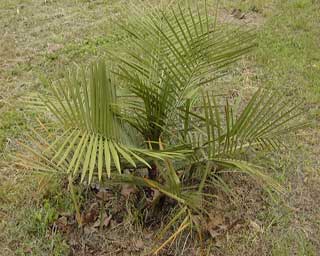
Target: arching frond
(263, 122)
(94, 138)
(172, 53)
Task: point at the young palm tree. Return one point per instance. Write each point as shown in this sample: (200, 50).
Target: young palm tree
(158, 107)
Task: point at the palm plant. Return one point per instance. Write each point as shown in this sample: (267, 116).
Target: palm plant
(156, 107)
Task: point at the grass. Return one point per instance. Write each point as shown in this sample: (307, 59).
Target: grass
(46, 36)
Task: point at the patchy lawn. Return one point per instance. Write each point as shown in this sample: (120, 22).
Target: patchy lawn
(39, 37)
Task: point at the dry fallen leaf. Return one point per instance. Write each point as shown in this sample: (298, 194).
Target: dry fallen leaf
(127, 190)
(63, 225)
(214, 233)
(107, 220)
(92, 214)
(139, 244)
(62, 221)
(89, 230)
(28, 250)
(237, 13)
(156, 195)
(96, 224)
(105, 223)
(255, 226)
(103, 195)
(215, 219)
(215, 225)
(148, 236)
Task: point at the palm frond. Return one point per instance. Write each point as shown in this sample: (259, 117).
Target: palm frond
(94, 138)
(263, 122)
(173, 53)
(252, 170)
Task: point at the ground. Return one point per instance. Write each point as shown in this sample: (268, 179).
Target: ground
(39, 37)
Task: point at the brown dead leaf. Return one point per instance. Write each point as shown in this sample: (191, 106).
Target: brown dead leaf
(215, 225)
(62, 221)
(103, 195)
(139, 244)
(156, 195)
(89, 230)
(96, 224)
(63, 225)
(107, 220)
(215, 219)
(237, 224)
(92, 214)
(105, 223)
(237, 13)
(113, 223)
(28, 250)
(128, 189)
(148, 236)
(255, 226)
(214, 233)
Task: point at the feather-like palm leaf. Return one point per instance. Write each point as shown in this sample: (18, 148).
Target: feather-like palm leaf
(220, 135)
(171, 54)
(263, 122)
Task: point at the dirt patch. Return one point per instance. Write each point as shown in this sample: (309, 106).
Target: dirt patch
(239, 17)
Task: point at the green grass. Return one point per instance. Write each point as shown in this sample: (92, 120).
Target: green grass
(287, 57)
(11, 125)
(287, 49)
(29, 207)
